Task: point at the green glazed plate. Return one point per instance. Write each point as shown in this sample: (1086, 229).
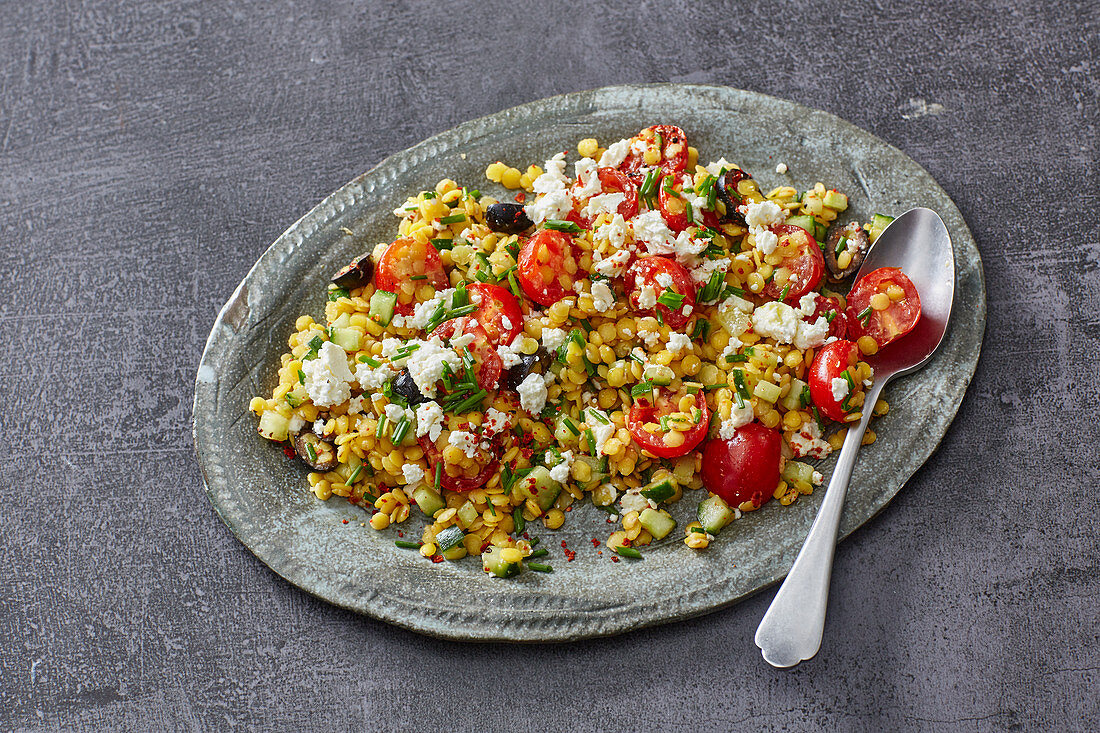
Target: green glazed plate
(265, 500)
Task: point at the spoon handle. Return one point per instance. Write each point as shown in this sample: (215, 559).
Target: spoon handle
(792, 628)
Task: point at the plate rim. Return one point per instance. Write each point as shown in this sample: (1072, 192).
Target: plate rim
(621, 620)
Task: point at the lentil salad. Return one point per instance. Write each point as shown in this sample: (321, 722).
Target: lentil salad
(646, 327)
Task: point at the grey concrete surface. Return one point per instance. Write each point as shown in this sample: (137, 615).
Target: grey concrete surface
(150, 152)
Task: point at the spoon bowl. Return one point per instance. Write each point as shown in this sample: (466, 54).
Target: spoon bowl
(918, 243)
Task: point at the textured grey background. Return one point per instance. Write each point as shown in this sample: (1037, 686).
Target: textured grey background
(150, 152)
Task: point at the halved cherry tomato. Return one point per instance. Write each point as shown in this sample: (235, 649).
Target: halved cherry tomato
(487, 362)
(646, 273)
(830, 362)
(838, 321)
(403, 260)
(668, 403)
(611, 181)
(898, 319)
(434, 454)
(745, 467)
(674, 151)
(673, 207)
(801, 269)
(544, 266)
(498, 312)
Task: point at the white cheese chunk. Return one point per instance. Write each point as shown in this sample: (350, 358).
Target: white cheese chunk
(328, 376)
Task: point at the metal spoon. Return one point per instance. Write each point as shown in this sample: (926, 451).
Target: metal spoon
(918, 243)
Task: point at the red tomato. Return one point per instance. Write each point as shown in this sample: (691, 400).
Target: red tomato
(829, 363)
(898, 319)
(403, 260)
(487, 362)
(434, 454)
(611, 181)
(673, 208)
(667, 403)
(674, 151)
(498, 312)
(838, 321)
(745, 467)
(542, 267)
(801, 270)
(644, 273)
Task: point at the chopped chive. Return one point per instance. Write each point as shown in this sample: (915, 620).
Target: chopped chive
(428, 194)
(400, 431)
(438, 475)
(716, 385)
(751, 351)
(597, 416)
(539, 553)
(739, 382)
(311, 452)
(848, 378)
(443, 243)
(354, 474)
(560, 225)
(492, 509)
(407, 545)
(698, 530)
(381, 427)
(453, 218)
(335, 294)
(701, 330)
(534, 541)
(591, 442)
(786, 289)
(513, 285)
(660, 142)
(628, 552)
(840, 244)
(804, 398)
(571, 425)
(641, 388)
(518, 520)
(363, 358)
(419, 277)
(474, 399)
(734, 358)
(301, 376)
(829, 316)
(316, 343)
(865, 314)
(474, 194)
(671, 299)
(634, 357)
(460, 297)
(692, 387)
(540, 568)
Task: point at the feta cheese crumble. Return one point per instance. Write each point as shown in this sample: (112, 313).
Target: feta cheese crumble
(808, 442)
(839, 388)
(602, 297)
(532, 393)
(464, 441)
(738, 416)
(776, 320)
(429, 420)
(560, 472)
(615, 154)
(678, 343)
(552, 338)
(425, 365)
(412, 473)
(328, 376)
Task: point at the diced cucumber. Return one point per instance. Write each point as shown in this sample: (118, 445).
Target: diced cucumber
(598, 475)
(382, 304)
(878, 223)
(494, 563)
(714, 513)
(342, 321)
(428, 500)
(805, 221)
(835, 200)
(274, 426)
(467, 513)
(797, 471)
(604, 495)
(449, 538)
(563, 434)
(793, 399)
(539, 486)
(658, 374)
(767, 391)
(297, 396)
(347, 338)
(659, 490)
(455, 553)
(657, 523)
(820, 231)
(733, 319)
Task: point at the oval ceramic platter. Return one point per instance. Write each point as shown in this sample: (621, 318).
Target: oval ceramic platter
(265, 500)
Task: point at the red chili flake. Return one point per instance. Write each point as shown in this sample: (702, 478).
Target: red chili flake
(563, 543)
(400, 533)
(345, 521)
(526, 452)
(569, 555)
(568, 508)
(521, 197)
(614, 558)
(437, 558)
(626, 542)
(595, 542)
(289, 452)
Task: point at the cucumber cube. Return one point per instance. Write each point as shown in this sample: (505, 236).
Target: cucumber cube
(767, 391)
(714, 513)
(657, 523)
